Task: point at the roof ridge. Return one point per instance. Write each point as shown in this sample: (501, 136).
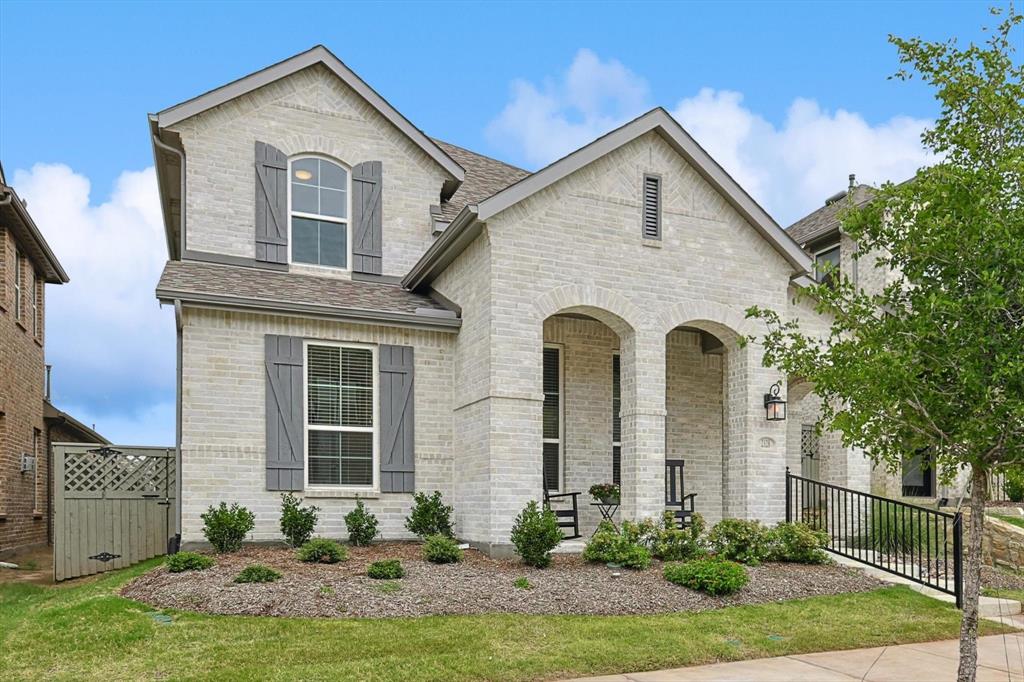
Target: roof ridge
(482, 156)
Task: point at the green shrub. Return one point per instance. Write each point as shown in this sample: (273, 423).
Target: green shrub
(430, 516)
(225, 527)
(739, 540)
(257, 573)
(1013, 484)
(622, 548)
(441, 549)
(385, 569)
(798, 543)
(297, 522)
(670, 543)
(522, 583)
(361, 525)
(714, 576)
(188, 561)
(322, 551)
(535, 533)
(892, 530)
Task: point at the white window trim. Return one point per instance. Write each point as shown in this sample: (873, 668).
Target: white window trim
(561, 418)
(834, 247)
(18, 285)
(347, 222)
(35, 304)
(341, 489)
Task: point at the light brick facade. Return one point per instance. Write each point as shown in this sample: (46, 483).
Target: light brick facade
(568, 265)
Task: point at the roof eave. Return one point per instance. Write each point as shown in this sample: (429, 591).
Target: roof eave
(53, 270)
(461, 231)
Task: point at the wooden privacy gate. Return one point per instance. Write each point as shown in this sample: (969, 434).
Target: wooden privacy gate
(113, 506)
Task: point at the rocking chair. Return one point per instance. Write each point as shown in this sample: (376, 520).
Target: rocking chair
(568, 517)
(681, 504)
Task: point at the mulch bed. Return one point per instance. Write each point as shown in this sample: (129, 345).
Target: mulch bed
(477, 585)
(1001, 580)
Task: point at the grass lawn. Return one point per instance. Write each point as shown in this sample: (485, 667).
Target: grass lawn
(1014, 520)
(84, 630)
(1016, 595)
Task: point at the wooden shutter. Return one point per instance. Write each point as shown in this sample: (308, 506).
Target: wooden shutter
(367, 217)
(271, 205)
(397, 440)
(285, 429)
(652, 206)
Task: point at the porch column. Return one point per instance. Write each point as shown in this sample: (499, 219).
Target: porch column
(643, 424)
(754, 470)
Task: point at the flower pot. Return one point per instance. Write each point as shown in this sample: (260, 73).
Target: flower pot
(609, 500)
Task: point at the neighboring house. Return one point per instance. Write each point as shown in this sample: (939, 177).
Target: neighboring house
(364, 311)
(820, 234)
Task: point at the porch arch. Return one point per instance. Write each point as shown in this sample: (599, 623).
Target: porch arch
(605, 305)
(724, 321)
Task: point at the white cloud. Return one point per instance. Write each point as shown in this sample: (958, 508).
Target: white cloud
(545, 122)
(790, 169)
(111, 345)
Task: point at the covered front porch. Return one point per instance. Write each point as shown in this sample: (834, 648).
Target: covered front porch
(596, 429)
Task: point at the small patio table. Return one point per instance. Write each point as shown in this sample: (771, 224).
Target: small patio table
(607, 510)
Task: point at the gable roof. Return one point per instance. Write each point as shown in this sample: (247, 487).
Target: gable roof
(316, 55)
(466, 225)
(15, 217)
(484, 177)
(825, 220)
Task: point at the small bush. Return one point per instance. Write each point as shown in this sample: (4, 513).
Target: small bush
(714, 576)
(226, 528)
(430, 516)
(257, 573)
(798, 543)
(297, 522)
(739, 540)
(188, 561)
(522, 583)
(890, 530)
(622, 548)
(1013, 484)
(322, 551)
(441, 549)
(670, 543)
(385, 569)
(535, 533)
(361, 525)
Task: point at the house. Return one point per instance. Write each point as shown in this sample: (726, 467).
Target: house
(27, 419)
(364, 311)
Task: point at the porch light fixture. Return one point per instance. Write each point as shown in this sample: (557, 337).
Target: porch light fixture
(774, 406)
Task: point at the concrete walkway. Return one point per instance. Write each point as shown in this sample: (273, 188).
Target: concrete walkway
(1000, 658)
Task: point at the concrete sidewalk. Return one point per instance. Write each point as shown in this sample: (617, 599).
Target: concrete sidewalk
(1000, 658)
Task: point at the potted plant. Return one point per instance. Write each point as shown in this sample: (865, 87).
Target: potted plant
(605, 493)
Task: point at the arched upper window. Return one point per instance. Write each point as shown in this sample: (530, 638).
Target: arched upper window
(319, 206)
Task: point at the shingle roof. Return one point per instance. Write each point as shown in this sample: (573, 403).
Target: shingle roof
(484, 177)
(270, 289)
(826, 219)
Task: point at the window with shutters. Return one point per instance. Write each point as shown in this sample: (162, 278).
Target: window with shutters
(919, 475)
(341, 415)
(652, 206)
(553, 417)
(37, 308)
(616, 421)
(18, 284)
(319, 201)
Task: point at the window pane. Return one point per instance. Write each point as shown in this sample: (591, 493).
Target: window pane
(333, 203)
(551, 478)
(306, 171)
(332, 175)
(616, 400)
(617, 465)
(324, 457)
(356, 458)
(323, 375)
(333, 249)
(357, 387)
(304, 199)
(305, 241)
(552, 399)
(551, 429)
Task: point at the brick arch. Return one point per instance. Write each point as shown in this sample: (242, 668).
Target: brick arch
(611, 308)
(724, 321)
(305, 143)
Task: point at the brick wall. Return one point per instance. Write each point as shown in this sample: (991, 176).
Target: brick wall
(223, 447)
(311, 111)
(23, 497)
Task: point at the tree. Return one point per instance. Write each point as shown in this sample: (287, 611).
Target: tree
(935, 359)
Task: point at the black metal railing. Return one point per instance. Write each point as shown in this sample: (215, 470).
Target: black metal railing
(920, 544)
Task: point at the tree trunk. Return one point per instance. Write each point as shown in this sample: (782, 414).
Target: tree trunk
(972, 576)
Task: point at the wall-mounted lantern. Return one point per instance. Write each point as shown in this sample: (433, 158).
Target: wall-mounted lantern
(774, 406)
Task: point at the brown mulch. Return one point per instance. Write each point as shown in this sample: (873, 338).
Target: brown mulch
(1000, 579)
(477, 585)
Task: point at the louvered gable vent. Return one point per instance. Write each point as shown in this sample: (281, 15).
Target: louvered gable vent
(652, 206)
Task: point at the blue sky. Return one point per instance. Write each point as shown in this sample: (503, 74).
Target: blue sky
(789, 97)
